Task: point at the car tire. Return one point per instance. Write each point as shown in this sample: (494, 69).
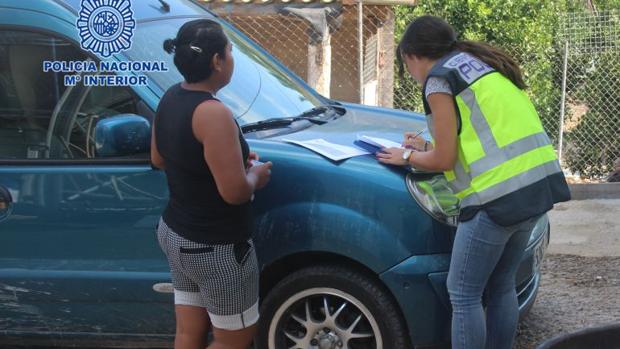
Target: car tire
(362, 314)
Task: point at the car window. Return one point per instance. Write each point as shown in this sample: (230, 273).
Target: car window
(259, 88)
(72, 128)
(41, 118)
(28, 95)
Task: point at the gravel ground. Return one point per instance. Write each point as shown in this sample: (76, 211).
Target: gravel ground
(581, 272)
(575, 292)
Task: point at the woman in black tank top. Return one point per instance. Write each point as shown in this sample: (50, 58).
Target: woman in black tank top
(206, 227)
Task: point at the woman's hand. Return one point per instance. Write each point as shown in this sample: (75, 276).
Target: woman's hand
(262, 173)
(392, 156)
(413, 140)
(252, 157)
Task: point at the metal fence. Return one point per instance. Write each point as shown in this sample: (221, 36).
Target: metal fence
(347, 52)
(590, 106)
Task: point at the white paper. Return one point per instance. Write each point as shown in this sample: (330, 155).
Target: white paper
(330, 150)
(378, 142)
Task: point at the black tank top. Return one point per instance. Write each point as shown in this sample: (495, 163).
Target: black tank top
(195, 210)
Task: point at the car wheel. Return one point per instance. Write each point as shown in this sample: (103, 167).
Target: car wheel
(330, 307)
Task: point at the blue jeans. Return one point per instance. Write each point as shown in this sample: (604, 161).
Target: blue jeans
(486, 256)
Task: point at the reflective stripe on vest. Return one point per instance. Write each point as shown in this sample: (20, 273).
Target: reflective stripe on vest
(511, 184)
(462, 180)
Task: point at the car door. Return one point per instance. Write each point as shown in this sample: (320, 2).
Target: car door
(78, 252)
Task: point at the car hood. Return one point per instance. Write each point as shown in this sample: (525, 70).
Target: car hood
(363, 120)
(313, 201)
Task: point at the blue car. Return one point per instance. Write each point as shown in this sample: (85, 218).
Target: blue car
(353, 254)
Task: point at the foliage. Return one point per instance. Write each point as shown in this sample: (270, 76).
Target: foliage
(533, 32)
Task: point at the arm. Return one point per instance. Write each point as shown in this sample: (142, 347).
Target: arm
(215, 128)
(443, 155)
(156, 159)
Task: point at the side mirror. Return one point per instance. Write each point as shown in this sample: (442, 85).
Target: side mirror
(122, 135)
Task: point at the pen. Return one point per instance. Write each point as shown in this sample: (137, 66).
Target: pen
(413, 137)
(417, 134)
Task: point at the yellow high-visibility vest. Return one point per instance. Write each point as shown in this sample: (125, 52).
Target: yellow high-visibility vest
(502, 146)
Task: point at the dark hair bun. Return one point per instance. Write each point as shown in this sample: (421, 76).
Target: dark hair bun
(169, 45)
(194, 47)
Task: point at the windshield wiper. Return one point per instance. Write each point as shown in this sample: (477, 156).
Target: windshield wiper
(309, 115)
(164, 6)
(278, 122)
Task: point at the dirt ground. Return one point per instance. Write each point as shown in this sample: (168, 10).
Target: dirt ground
(581, 272)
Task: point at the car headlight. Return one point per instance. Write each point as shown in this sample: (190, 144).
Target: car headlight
(541, 227)
(435, 197)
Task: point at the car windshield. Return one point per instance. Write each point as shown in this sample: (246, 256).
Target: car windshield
(259, 89)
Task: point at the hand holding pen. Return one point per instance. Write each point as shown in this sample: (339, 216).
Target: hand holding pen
(414, 141)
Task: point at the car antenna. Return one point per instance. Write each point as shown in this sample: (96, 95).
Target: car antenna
(165, 5)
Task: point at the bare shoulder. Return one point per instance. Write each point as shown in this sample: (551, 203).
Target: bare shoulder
(212, 117)
(212, 110)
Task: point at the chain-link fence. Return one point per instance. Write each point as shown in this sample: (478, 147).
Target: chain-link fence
(591, 93)
(347, 52)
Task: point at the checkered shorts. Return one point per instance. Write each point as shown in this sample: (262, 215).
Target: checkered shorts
(221, 278)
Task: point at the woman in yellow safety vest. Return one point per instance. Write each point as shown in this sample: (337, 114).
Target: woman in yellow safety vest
(498, 160)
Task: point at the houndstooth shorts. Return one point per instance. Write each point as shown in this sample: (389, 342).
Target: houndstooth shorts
(221, 278)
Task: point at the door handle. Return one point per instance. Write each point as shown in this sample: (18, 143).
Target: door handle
(163, 287)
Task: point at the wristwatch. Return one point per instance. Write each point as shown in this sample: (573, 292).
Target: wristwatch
(407, 154)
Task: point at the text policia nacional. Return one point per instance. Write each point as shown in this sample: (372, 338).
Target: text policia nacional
(92, 74)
